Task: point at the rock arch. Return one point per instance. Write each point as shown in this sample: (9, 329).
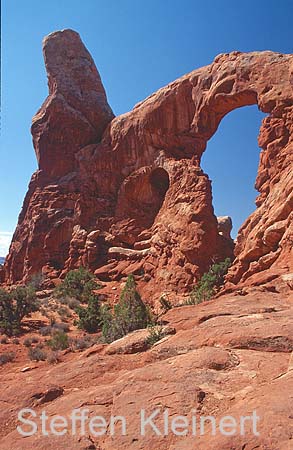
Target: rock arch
(170, 129)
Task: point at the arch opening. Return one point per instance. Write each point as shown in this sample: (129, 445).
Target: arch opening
(140, 200)
(159, 180)
(231, 162)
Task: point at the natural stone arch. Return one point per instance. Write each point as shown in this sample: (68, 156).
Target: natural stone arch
(169, 129)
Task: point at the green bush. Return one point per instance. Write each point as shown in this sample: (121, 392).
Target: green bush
(110, 327)
(77, 284)
(59, 341)
(209, 282)
(89, 316)
(20, 302)
(156, 334)
(166, 305)
(130, 313)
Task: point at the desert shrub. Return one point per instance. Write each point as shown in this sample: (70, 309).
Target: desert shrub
(4, 340)
(166, 305)
(209, 282)
(6, 358)
(46, 331)
(15, 341)
(20, 302)
(81, 343)
(89, 317)
(72, 303)
(156, 334)
(41, 345)
(54, 357)
(77, 284)
(59, 341)
(37, 354)
(129, 314)
(61, 326)
(64, 312)
(27, 342)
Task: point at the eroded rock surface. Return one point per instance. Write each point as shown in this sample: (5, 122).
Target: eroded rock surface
(76, 112)
(230, 356)
(134, 182)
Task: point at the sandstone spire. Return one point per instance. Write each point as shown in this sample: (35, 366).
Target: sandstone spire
(76, 112)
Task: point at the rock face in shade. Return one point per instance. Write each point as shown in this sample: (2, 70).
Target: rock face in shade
(127, 194)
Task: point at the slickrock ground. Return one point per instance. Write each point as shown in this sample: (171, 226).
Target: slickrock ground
(229, 356)
(127, 194)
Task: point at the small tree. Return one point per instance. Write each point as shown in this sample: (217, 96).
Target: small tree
(77, 284)
(130, 313)
(20, 302)
(108, 322)
(209, 282)
(89, 317)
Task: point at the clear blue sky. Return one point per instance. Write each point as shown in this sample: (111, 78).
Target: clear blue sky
(138, 46)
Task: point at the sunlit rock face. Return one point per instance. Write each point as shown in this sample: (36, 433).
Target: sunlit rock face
(134, 182)
(76, 112)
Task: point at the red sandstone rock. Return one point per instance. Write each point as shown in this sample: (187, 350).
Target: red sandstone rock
(135, 181)
(137, 341)
(229, 356)
(225, 226)
(76, 111)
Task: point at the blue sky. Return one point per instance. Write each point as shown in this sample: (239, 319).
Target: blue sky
(138, 46)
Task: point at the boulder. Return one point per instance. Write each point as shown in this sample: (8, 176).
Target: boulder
(224, 226)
